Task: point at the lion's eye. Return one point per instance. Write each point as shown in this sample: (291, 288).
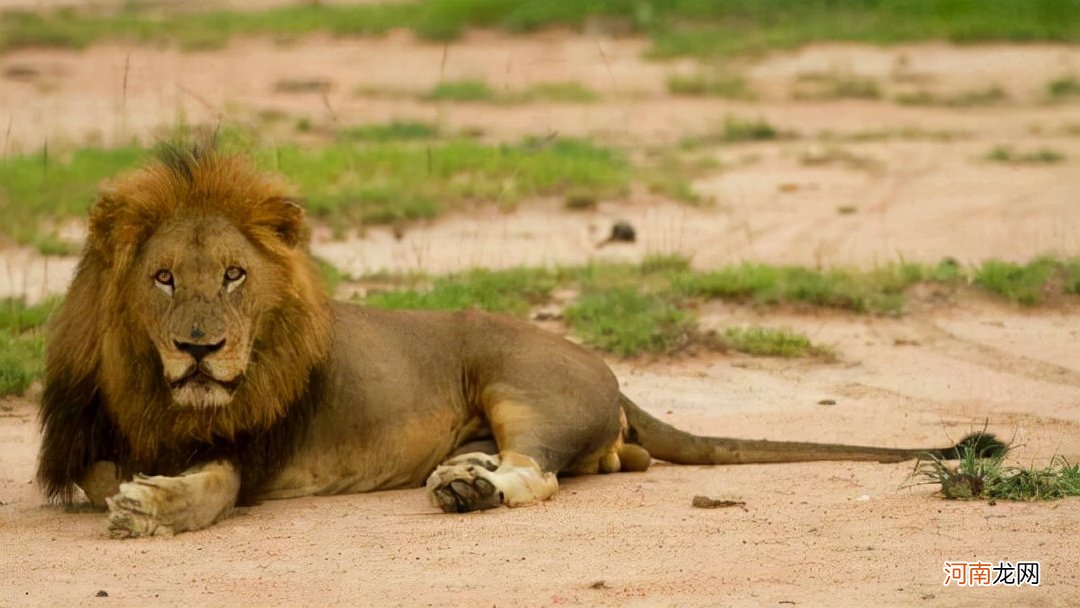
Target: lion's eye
(234, 273)
(234, 276)
(164, 277)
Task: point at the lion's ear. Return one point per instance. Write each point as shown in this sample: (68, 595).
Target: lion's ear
(116, 226)
(285, 216)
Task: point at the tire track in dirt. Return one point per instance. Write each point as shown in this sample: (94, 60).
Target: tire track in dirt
(949, 344)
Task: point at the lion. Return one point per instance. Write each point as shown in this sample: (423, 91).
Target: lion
(198, 364)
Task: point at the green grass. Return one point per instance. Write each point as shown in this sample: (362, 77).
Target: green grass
(479, 91)
(22, 344)
(1042, 156)
(677, 27)
(624, 321)
(988, 478)
(1028, 284)
(830, 85)
(773, 342)
(461, 90)
(748, 26)
(393, 131)
(710, 84)
(879, 291)
(1063, 88)
(375, 174)
(509, 291)
(988, 96)
(734, 130)
(45, 185)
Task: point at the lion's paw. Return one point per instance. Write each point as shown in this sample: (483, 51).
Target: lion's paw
(465, 483)
(147, 506)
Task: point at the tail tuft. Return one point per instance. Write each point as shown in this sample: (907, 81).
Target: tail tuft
(982, 445)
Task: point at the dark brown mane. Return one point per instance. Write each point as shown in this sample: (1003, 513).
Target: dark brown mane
(105, 398)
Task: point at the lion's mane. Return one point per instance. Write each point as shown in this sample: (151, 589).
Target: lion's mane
(105, 396)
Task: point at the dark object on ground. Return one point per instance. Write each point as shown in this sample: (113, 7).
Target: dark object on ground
(962, 486)
(704, 502)
(621, 232)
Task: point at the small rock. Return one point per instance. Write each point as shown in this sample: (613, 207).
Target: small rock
(599, 585)
(827, 402)
(704, 502)
(622, 232)
(102, 593)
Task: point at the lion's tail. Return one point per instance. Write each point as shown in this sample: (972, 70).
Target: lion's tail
(666, 442)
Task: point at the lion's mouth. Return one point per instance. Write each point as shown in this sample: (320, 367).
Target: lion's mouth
(197, 377)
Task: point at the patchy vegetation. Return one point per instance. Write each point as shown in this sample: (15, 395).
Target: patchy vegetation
(393, 131)
(629, 309)
(735, 130)
(677, 27)
(479, 91)
(22, 344)
(1042, 156)
(879, 291)
(774, 342)
(626, 322)
(715, 83)
(1066, 87)
(371, 174)
(461, 90)
(991, 95)
(1029, 283)
(988, 478)
(512, 291)
(830, 85)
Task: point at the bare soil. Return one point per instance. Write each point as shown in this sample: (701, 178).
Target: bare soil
(809, 533)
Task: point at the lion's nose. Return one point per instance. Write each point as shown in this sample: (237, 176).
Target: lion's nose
(199, 351)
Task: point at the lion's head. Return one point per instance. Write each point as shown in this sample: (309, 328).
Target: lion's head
(195, 316)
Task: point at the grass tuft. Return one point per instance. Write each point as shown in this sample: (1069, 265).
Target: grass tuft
(710, 84)
(976, 477)
(22, 343)
(394, 131)
(773, 342)
(512, 291)
(734, 130)
(880, 290)
(829, 85)
(461, 90)
(991, 95)
(626, 322)
(1042, 156)
(1063, 88)
(1023, 284)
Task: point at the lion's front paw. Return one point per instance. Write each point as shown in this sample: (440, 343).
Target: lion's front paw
(466, 483)
(146, 506)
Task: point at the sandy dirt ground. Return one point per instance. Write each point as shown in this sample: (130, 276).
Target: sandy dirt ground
(809, 534)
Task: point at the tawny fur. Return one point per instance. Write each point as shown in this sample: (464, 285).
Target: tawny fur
(99, 360)
(328, 397)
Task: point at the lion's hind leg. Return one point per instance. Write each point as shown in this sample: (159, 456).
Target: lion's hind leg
(471, 482)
